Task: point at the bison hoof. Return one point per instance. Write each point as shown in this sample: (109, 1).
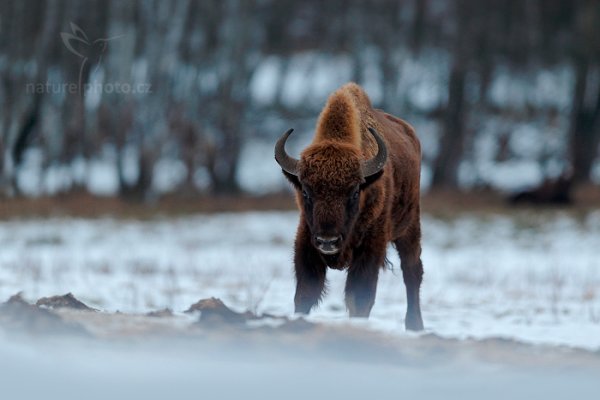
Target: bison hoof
(413, 323)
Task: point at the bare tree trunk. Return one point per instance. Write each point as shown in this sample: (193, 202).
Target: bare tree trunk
(445, 173)
(445, 170)
(164, 23)
(22, 111)
(3, 185)
(236, 63)
(585, 114)
(389, 49)
(115, 116)
(418, 27)
(585, 126)
(355, 28)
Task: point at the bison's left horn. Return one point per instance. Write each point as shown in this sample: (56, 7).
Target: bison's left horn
(287, 163)
(375, 164)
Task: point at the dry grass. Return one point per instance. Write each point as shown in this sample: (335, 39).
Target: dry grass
(88, 206)
(439, 203)
(449, 203)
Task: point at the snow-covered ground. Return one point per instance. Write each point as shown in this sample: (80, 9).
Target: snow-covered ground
(533, 277)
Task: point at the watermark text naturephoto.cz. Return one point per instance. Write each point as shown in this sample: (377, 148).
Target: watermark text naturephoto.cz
(74, 88)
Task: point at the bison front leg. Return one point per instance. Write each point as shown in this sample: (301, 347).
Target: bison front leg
(409, 250)
(310, 273)
(361, 283)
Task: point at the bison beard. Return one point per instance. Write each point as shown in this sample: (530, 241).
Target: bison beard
(357, 189)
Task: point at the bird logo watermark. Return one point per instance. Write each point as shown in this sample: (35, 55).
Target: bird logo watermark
(78, 43)
(91, 53)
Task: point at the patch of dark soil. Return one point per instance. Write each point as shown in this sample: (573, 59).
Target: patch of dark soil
(64, 301)
(18, 315)
(165, 312)
(214, 311)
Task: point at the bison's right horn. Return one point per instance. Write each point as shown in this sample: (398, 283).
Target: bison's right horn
(287, 163)
(375, 164)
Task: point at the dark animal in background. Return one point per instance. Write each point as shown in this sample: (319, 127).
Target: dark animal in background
(357, 188)
(551, 191)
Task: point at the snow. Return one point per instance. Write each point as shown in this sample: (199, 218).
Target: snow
(511, 175)
(545, 87)
(423, 80)
(102, 177)
(596, 172)
(525, 141)
(535, 151)
(308, 77)
(263, 85)
(311, 79)
(168, 174)
(28, 177)
(529, 277)
(258, 172)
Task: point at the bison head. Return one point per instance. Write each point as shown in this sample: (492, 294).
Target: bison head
(330, 177)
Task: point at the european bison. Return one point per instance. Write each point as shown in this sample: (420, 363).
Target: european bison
(357, 189)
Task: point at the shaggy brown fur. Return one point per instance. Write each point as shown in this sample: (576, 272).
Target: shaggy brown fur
(364, 214)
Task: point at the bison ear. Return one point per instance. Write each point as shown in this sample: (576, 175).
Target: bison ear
(371, 179)
(293, 180)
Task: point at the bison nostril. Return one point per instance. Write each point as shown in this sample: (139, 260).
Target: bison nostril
(332, 241)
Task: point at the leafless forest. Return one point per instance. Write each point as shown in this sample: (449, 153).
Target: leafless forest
(135, 83)
(144, 221)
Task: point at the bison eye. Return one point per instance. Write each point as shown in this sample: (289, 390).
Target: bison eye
(305, 195)
(355, 195)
